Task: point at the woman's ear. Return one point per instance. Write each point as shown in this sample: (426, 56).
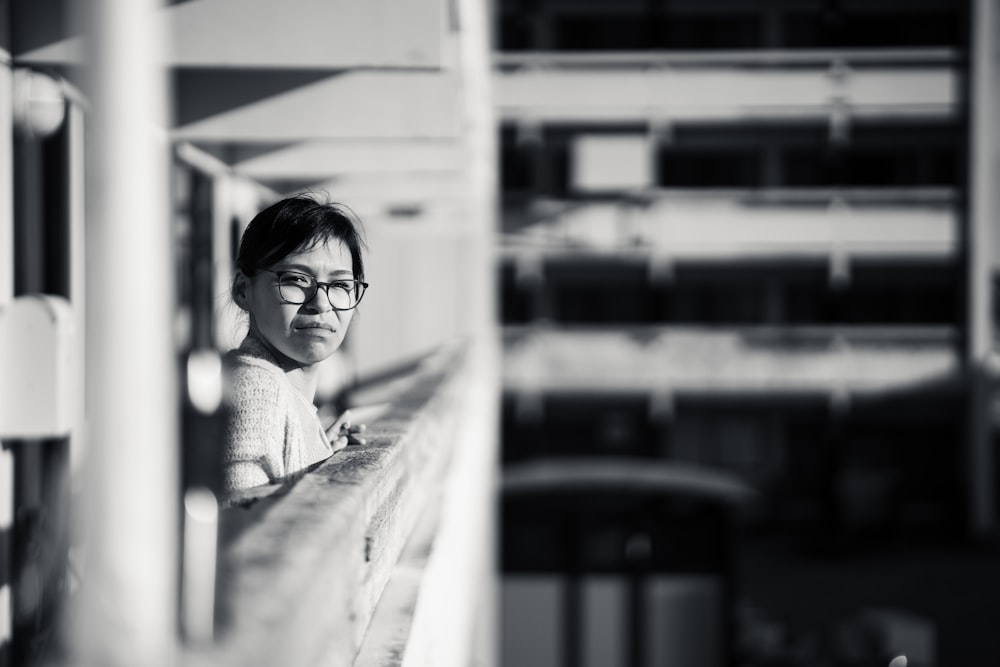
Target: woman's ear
(241, 287)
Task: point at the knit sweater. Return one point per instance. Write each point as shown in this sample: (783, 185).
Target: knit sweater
(273, 430)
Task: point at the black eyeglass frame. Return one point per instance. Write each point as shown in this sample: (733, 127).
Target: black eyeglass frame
(360, 287)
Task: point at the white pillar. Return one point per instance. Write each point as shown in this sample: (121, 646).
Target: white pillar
(984, 207)
(6, 179)
(76, 120)
(480, 144)
(129, 589)
(6, 294)
(476, 50)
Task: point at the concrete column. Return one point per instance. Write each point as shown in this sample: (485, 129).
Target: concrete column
(6, 294)
(984, 207)
(6, 179)
(481, 432)
(128, 599)
(76, 118)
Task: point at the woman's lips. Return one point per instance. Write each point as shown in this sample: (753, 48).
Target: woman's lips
(315, 326)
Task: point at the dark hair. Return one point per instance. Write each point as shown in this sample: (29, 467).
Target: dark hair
(297, 224)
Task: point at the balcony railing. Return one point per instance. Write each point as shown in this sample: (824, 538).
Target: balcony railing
(383, 551)
(735, 57)
(718, 224)
(747, 360)
(727, 87)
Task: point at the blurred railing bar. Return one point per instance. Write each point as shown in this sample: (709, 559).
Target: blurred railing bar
(396, 371)
(889, 195)
(201, 160)
(734, 58)
(856, 333)
(549, 207)
(514, 246)
(566, 475)
(73, 95)
(747, 114)
(376, 385)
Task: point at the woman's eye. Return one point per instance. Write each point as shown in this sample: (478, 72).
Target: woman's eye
(295, 280)
(346, 285)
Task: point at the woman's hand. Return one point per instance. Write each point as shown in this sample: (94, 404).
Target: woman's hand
(345, 432)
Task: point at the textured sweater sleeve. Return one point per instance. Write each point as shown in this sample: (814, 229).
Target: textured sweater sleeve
(255, 437)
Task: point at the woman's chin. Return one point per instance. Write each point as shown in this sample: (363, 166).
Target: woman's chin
(314, 352)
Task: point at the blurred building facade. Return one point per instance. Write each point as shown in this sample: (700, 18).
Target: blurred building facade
(744, 236)
(738, 235)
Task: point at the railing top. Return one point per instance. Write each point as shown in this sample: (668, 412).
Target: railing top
(822, 196)
(631, 475)
(728, 58)
(542, 217)
(713, 362)
(303, 563)
(781, 335)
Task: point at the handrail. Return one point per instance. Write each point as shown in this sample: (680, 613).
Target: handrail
(762, 362)
(843, 333)
(635, 475)
(304, 565)
(735, 57)
(852, 196)
(920, 195)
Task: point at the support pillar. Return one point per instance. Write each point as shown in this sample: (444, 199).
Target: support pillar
(981, 259)
(128, 606)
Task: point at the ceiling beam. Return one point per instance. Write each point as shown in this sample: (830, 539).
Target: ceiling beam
(334, 34)
(332, 157)
(355, 104)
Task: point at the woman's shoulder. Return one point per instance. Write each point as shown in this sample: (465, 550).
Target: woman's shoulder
(245, 363)
(253, 376)
(252, 359)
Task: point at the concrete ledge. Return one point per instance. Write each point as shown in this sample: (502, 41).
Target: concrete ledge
(678, 360)
(304, 565)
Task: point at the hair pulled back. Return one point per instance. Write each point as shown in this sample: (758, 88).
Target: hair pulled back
(298, 224)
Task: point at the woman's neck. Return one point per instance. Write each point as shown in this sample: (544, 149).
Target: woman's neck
(304, 378)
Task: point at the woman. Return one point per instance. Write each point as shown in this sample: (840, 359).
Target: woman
(299, 276)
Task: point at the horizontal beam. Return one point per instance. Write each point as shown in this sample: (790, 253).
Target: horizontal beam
(692, 359)
(737, 57)
(727, 228)
(305, 33)
(351, 105)
(395, 188)
(708, 94)
(334, 34)
(329, 158)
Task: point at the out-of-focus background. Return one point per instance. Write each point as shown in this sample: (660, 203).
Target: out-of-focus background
(738, 262)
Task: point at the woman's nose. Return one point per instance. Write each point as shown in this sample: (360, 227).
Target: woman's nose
(320, 303)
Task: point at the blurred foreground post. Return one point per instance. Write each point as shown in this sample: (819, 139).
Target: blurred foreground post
(981, 253)
(6, 294)
(127, 611)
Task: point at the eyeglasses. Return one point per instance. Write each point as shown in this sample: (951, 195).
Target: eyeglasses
(298, 288)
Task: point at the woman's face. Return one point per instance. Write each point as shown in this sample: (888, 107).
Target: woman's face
(307, 333)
